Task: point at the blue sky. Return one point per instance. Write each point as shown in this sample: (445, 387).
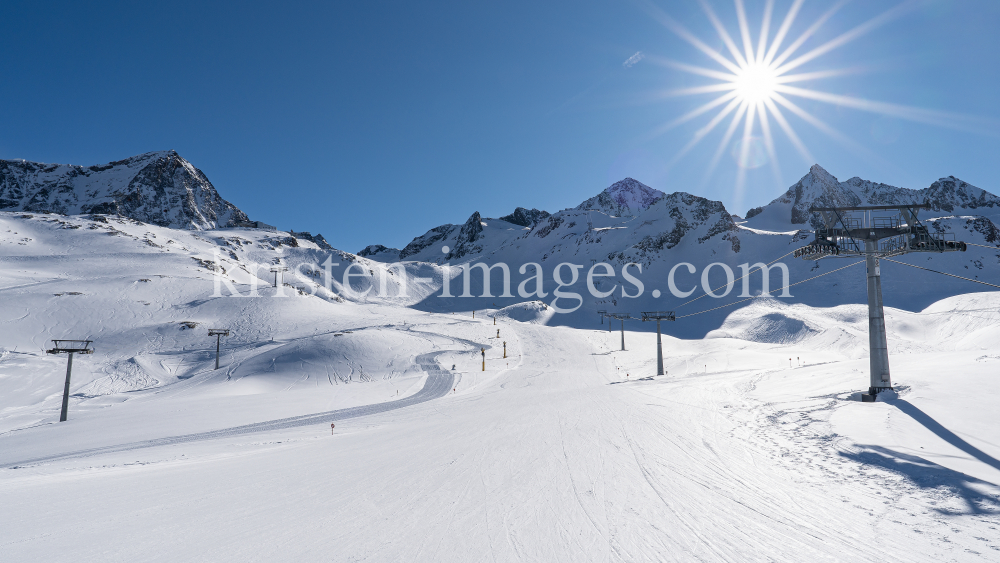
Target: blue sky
(371, 122)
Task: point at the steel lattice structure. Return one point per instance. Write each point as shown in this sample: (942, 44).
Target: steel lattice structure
(845, 233)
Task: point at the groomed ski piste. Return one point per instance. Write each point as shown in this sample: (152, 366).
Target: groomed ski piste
(753, 447)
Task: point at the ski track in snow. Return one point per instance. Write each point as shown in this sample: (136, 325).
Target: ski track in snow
(734, 455)
(439, 382)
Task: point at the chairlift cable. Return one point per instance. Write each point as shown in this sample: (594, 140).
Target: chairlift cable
(779, 289)
(734, 281)
(937, 272)
(982, 246)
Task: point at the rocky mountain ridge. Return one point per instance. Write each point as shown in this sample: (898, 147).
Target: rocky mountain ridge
(946, 196)
(628, 221)
(160, 188)
(624, 198)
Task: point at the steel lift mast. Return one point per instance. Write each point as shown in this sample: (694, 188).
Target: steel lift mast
(622, 317)
(871, 237)
(658, 316)
(69, 347)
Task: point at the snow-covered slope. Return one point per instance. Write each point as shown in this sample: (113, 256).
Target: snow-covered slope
(753, 447)
(158, 187)
(147, 295)
(559, 447)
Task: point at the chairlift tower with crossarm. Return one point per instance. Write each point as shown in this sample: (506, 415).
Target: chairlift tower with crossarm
(69, 347)
(218, 333)
(621, 317)
(857, 231)
(658, 316)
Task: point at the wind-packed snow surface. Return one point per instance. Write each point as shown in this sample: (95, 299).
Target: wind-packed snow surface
(753, 447)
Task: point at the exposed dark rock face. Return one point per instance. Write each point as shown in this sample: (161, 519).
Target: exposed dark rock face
(526, 217)
(317, 238)
(380, 253)
(623, 198)
(465, 242)
(688, 213)
(377, 250)
(950, 193)
(988, 229)
(467, 237)
(428, 239)
(159, 188)
(552, 224)
(820, 189)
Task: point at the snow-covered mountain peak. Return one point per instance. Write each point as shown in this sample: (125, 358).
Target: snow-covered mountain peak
(819, 176)
(159, 187)
(624, 198)
(821, 189)
(818, 187)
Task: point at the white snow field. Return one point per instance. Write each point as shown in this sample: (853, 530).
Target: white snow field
(753, 447)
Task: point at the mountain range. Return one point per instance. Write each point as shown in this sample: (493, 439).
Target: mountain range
(626, 223)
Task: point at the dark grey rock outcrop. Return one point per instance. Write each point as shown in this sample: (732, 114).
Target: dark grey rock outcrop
(160, 188)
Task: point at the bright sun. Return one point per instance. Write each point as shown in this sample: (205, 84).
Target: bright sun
(756, 80)
(756, 83)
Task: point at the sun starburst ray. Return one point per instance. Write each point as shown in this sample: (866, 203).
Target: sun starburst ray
(723, 34)
(779, 37)
(789, 132)
(942, 119)
(847, 37)
(708, 89)
(691, 69)
(765, 126)
(686, 35)
(845, 141)
(776, 63)
(760, 81)
(703, 132)
(741, 17)
(819, 74)
(730, 131)
(700, 110)
(744, 160)
(765, 29)
(822, 126)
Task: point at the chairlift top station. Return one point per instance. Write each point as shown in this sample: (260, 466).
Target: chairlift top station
(894, 235)
(845, 234)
